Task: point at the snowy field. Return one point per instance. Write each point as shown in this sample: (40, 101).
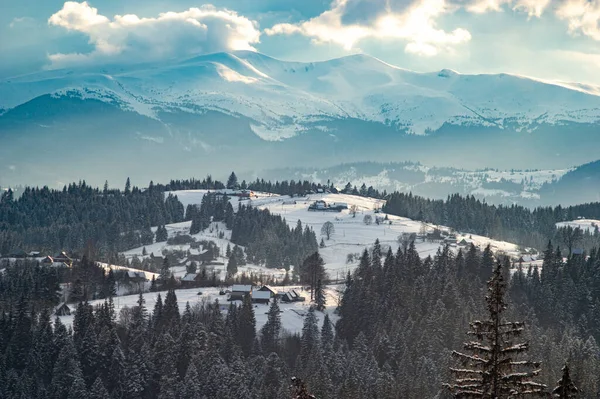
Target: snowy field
(351, 235)
(292, 316)
(584, 224)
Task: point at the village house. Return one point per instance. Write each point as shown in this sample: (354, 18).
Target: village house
(261, 297)
(239, 291)
(62, 310)
(266, 288)
(191, 280)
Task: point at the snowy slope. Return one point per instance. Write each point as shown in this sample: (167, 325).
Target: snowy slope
(351, 235)
(589, 225)
(292, 316)
(283, 99)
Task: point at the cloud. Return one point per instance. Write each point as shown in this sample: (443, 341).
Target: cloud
(170, 34)
(348, 22)
(20, 21)
(534, 8)
(583, 17)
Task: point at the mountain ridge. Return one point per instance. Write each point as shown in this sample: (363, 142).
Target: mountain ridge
(247, 108)
(358, 86)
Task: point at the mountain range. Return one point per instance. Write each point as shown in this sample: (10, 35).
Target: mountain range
(248, 111)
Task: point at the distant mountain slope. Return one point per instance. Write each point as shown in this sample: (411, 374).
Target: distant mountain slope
(495, 186)
(576, 187)
(211, 109)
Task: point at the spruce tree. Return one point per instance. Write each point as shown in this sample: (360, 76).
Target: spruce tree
(271, 329)
(232, 265)
(98, 391)
(565, 389)
(320, 298)
(246, 326)
(232, 181)
(78, 389)
(495, 368)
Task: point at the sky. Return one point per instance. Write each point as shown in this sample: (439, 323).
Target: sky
(546, 39)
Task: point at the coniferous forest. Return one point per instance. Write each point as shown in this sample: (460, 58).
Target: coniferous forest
(450, 325)
(401, 318)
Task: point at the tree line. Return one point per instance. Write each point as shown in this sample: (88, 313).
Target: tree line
(528, 227)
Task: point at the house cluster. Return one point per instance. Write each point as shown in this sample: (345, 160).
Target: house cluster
(235, 193)
(321, 205)
(60, 259)
(262, 294)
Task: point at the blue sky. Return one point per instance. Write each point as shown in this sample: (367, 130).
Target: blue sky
(547, 39)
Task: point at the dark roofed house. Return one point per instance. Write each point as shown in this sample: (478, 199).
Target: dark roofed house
(261, 297)
(463, 243)
(62, 310)
(239, 291)
(47, 260)
(292, 296)
(63, 257)
(191, 279)
(17, 253)
(577, 251)
(287, 297)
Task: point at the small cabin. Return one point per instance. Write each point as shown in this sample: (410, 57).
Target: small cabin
(261, 297)
(239, 291)
(62, 310)
(266, 288)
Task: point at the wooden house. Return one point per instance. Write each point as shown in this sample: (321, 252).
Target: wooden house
(239, 291)
(261, 297)
(62, 310)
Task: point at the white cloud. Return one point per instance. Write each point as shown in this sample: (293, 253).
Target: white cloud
(19, 21)
(583, 17)
(12, 167)
(534, 8)
(414, 23)
(170, 34)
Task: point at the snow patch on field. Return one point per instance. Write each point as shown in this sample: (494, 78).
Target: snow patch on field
(588, 225)
(292, 318)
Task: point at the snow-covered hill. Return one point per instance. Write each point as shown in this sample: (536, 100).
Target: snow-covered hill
(283, 99)
(351, 234)
(493, 185)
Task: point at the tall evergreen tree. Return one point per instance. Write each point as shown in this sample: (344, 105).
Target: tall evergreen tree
(494, 369)
(246, 326)
(270, 331)
(565, 389)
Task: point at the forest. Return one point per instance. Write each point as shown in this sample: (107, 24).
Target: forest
(406, 327)
(400, 321)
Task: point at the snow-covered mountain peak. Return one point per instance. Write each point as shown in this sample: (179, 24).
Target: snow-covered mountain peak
(284, 98)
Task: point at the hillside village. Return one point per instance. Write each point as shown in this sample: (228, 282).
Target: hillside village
(198, 261)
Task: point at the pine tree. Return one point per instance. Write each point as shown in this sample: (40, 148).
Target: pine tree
(271, 329)
(565, 389)
(78, 389)
(320, 299)
(246, 326)
(232, 181)
(98, 391)
(494, 369)
(128, 186)
(165, 271)
(232, 265)
(299, 390)
(66, 371)
(190, 387)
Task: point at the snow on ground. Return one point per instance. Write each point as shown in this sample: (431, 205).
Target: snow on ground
(584, 224)
(292, 317)
(351, 234)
